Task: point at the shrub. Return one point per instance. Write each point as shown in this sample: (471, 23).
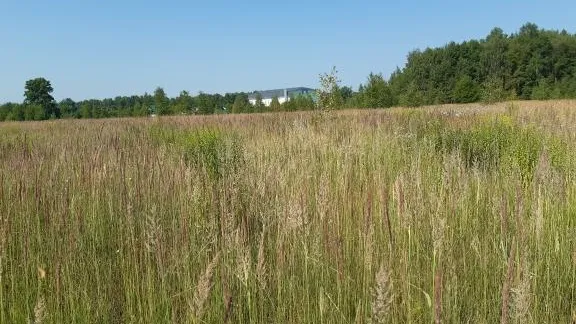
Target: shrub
(465, 90)
(492, 142)
(493, 91)
(211, 149)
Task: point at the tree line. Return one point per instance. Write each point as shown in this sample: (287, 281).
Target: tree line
(530, 64)
(40, 105)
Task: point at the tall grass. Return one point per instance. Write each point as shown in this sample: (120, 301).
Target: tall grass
(454, 214)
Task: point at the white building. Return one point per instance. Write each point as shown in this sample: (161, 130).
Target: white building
(283, 95)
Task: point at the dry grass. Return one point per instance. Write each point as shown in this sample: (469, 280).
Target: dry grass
(383, 297)
(288, 218)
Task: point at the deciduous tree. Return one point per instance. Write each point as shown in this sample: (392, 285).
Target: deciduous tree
(275, 104)
(241, 104)
(161, 102)
(38, 92)
(377, 93)
(329, 96)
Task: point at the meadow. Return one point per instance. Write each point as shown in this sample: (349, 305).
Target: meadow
(452, 214)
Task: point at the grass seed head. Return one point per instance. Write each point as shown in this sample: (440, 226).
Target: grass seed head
(203, 288)
(382, 296)
(39, 311)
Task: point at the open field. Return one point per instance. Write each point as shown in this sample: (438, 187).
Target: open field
(458, 214)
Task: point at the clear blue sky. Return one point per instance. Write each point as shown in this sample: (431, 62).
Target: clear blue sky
(99, 49)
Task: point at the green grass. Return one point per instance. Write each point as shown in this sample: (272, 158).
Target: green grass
(392, 216)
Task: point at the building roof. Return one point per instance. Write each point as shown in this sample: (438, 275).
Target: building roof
(269, 94)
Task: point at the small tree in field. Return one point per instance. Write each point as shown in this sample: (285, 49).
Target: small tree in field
(161, 102)
(275, 104)
(329, 96)
(241, 104)
(259, 106)
(377, 93)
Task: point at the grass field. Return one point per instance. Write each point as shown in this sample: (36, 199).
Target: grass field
(454, 214)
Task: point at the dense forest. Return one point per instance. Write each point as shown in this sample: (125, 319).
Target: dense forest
(531, 64)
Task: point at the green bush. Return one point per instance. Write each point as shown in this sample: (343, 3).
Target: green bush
(465, 90)
(492, 91)
(492, 143)
(211, 149)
